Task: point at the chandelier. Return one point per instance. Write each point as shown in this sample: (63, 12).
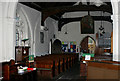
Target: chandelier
(101, 28)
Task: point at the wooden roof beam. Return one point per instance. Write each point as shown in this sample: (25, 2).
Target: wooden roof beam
(64, 21)
(52, 11)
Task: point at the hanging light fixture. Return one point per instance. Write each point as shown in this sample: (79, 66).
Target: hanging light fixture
(66, 26)
(98, 3)
(66, 31)
(103, 32)
(101, 27)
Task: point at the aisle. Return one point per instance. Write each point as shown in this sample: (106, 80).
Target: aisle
(73, 74)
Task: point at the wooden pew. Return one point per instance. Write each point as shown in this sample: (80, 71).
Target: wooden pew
(53, 64)
(47, 67)
(104, 70)
(5, 71)
(8, 68)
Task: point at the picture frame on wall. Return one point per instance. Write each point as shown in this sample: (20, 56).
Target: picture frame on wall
(41, 37)
(87, 25)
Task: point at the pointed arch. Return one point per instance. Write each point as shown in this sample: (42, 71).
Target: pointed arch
(34, 46)
(84, 44)
(29, 27)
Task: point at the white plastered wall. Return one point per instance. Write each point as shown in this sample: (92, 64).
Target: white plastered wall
(24, 10)
(7, 29)
(1, 32)
(43, 48)
(74, 28)
(7, 24)
(34, 20)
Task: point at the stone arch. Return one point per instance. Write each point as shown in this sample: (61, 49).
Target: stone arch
(36, 25)
(84, 44)
(30, 28)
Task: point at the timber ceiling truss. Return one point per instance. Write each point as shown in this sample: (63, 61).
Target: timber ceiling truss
(55, 10)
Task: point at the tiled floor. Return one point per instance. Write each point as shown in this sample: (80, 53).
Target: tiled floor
(72, 73)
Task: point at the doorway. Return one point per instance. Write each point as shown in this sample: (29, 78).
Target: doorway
(56, 46)
(88, 45)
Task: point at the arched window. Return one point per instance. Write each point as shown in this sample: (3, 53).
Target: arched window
(21, 29)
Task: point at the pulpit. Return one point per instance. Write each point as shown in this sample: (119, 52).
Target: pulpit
(21, 53)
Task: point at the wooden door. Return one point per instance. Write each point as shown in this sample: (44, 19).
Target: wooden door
(84, 45)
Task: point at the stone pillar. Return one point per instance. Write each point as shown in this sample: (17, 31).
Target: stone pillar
(1, 40)
(8, 31)
(116, 31)
(119, 30)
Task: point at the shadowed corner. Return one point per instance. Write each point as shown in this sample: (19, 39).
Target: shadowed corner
(103, 80)
(118, 73)
(1, 71)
